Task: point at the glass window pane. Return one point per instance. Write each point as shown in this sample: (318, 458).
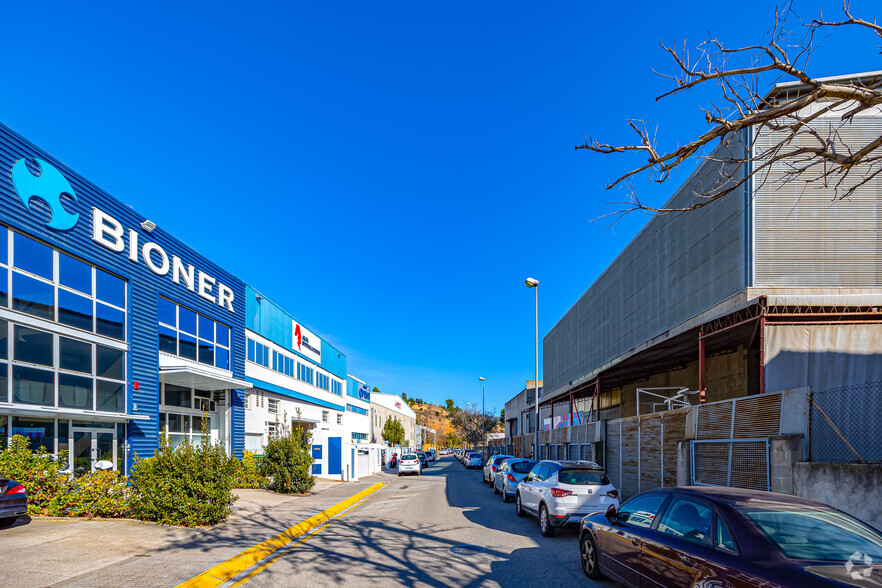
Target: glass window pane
(201, 423)
(222, 358)
(4, 287)
(187, 320)
(109, 362)
(4, 338)
(250, 346)
(4, 244)
(223, 334)
(33, 346)
(206, 352)
(168, 341)
(206, 328)
(176, 423)
(641, 511)
(32, 256)
(33, 296)
(75, 274)
(41, 432)
(177, 396)
(75, 355)
(110, 288)
(187, 346)
(4, 387)
(168, 311)
(74, 391)
(687, 519)
(110, 322)
(33, 386)
(74, 310)
(110, 397)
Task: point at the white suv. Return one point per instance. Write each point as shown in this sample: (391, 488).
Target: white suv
(561, 492)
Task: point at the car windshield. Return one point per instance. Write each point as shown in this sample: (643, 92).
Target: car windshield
(582, 477)
(522, 467)
(499, 460)
(818, 535)
(409, 456)
(473, 455)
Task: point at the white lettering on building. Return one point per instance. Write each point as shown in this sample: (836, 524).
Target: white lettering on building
(108, 232)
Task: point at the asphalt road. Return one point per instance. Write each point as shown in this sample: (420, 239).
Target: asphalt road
(402, 536)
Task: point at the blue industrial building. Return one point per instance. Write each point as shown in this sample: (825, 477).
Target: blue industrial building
(113, 330)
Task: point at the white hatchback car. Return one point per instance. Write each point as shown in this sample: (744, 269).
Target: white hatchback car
(561, 492)
(410, 464)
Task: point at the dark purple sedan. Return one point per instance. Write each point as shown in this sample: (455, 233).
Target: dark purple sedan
(710, 536)
(13, 501)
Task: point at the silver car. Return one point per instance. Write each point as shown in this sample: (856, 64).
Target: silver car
(410, 464)
(561, 492)
(493, 462)
(473, 460)
(509, 474)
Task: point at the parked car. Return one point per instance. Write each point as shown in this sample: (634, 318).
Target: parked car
(13, 501)
(474, 460)
(424, 461)
(705, 535)
(508, 474)
(561, 492)
(432, 455)
(410, 464)
(489, 473)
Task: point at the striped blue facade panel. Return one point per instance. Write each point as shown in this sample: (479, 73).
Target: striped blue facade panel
(144, 287)
(238, 422)
(269, 320)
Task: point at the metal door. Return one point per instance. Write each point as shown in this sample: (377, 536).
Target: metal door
(335, 457)
(91, 446)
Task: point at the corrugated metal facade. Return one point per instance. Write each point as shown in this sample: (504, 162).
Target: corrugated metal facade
(804, 236)
(676, 267)
(143, 288)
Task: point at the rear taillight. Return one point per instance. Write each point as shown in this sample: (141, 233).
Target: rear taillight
(558, 493)
(17, 490)
(613, 493)
(492, 468)
(511, 478)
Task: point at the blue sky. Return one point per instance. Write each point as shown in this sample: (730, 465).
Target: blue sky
(388, 172)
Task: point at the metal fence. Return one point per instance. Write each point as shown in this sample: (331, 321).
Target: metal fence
(844, 424)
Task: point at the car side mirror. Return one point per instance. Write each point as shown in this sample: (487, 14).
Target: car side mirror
(611, 515)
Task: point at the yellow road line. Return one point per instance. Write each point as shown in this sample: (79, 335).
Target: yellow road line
(282, 552)
(226, 571)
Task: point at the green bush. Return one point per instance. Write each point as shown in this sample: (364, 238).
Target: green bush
(190, 485)
(38, 471)
(99, 494)
(287, 462)
(248, 473)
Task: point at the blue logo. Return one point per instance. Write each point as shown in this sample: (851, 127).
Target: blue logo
(48, 187)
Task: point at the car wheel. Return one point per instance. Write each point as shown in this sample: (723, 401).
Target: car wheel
(7, 522)
(495, 489)
(519, 509)
(505, 497)
(545, 525)
(588, 550)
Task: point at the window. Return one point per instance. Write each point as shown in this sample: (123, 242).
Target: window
(322, 381)
(247, 401)
(722, 538)
(359, 436)
(193, 336)
(336, 388)
(273, 406)
(181, 427)
(304, 373)
(324, 416)
(355, 409)
(52, 285)
(641, 511)
(339, 418)
(687, 519)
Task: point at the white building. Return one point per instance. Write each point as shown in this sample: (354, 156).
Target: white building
(385, 406)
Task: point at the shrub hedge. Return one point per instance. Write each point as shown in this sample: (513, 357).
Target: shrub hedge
(287, 462)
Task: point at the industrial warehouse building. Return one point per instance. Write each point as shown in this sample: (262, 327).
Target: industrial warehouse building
(113, 330)
(768, 300)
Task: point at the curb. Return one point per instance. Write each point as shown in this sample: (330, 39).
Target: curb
(229, 569)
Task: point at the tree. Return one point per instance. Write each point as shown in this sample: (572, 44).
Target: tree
(451, 406)
(376, 390)
(810, 148)
(502, 416)
(393, 431)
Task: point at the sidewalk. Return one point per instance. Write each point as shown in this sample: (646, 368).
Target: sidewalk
(111, 552)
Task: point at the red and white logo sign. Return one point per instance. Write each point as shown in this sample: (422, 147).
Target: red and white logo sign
(306, 342)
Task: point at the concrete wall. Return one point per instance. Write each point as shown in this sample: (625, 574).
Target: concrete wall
(852, 488)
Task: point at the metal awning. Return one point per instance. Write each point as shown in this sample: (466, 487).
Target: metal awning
(50, 412)
(191, 377)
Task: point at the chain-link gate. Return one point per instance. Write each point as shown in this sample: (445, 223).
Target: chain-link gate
(739, 463)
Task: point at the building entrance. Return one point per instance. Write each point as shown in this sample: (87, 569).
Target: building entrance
(91, 446)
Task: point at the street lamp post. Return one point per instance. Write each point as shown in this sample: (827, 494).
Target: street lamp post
(533, 283)
(483, 424)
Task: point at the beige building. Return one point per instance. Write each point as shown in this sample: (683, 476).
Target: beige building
(386, 406)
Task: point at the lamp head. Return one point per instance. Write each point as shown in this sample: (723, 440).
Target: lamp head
(531, 283)
(480, 378)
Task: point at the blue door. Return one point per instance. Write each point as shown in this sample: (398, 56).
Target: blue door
(335, 457)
